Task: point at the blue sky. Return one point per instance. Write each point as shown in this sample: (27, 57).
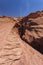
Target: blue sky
(19, 7)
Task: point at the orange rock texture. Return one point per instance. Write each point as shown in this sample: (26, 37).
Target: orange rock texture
(21, 40)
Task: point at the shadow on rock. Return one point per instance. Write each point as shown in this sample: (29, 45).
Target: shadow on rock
(24, 25)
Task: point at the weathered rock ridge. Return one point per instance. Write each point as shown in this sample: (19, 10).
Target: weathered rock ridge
(21, 40)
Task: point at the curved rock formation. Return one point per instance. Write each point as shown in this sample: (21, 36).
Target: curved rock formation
(21, 40)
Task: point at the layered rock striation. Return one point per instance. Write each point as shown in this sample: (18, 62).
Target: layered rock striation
(21, 40)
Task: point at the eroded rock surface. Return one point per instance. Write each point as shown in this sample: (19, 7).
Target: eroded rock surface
(15, 33)
(31, 30)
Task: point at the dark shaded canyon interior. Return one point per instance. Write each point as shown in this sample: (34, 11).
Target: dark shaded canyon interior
(25, 24)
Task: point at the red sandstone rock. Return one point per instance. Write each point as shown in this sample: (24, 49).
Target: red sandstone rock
(21, 40)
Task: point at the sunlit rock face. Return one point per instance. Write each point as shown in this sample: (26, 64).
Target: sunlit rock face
(21, 40)
(31, 30)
